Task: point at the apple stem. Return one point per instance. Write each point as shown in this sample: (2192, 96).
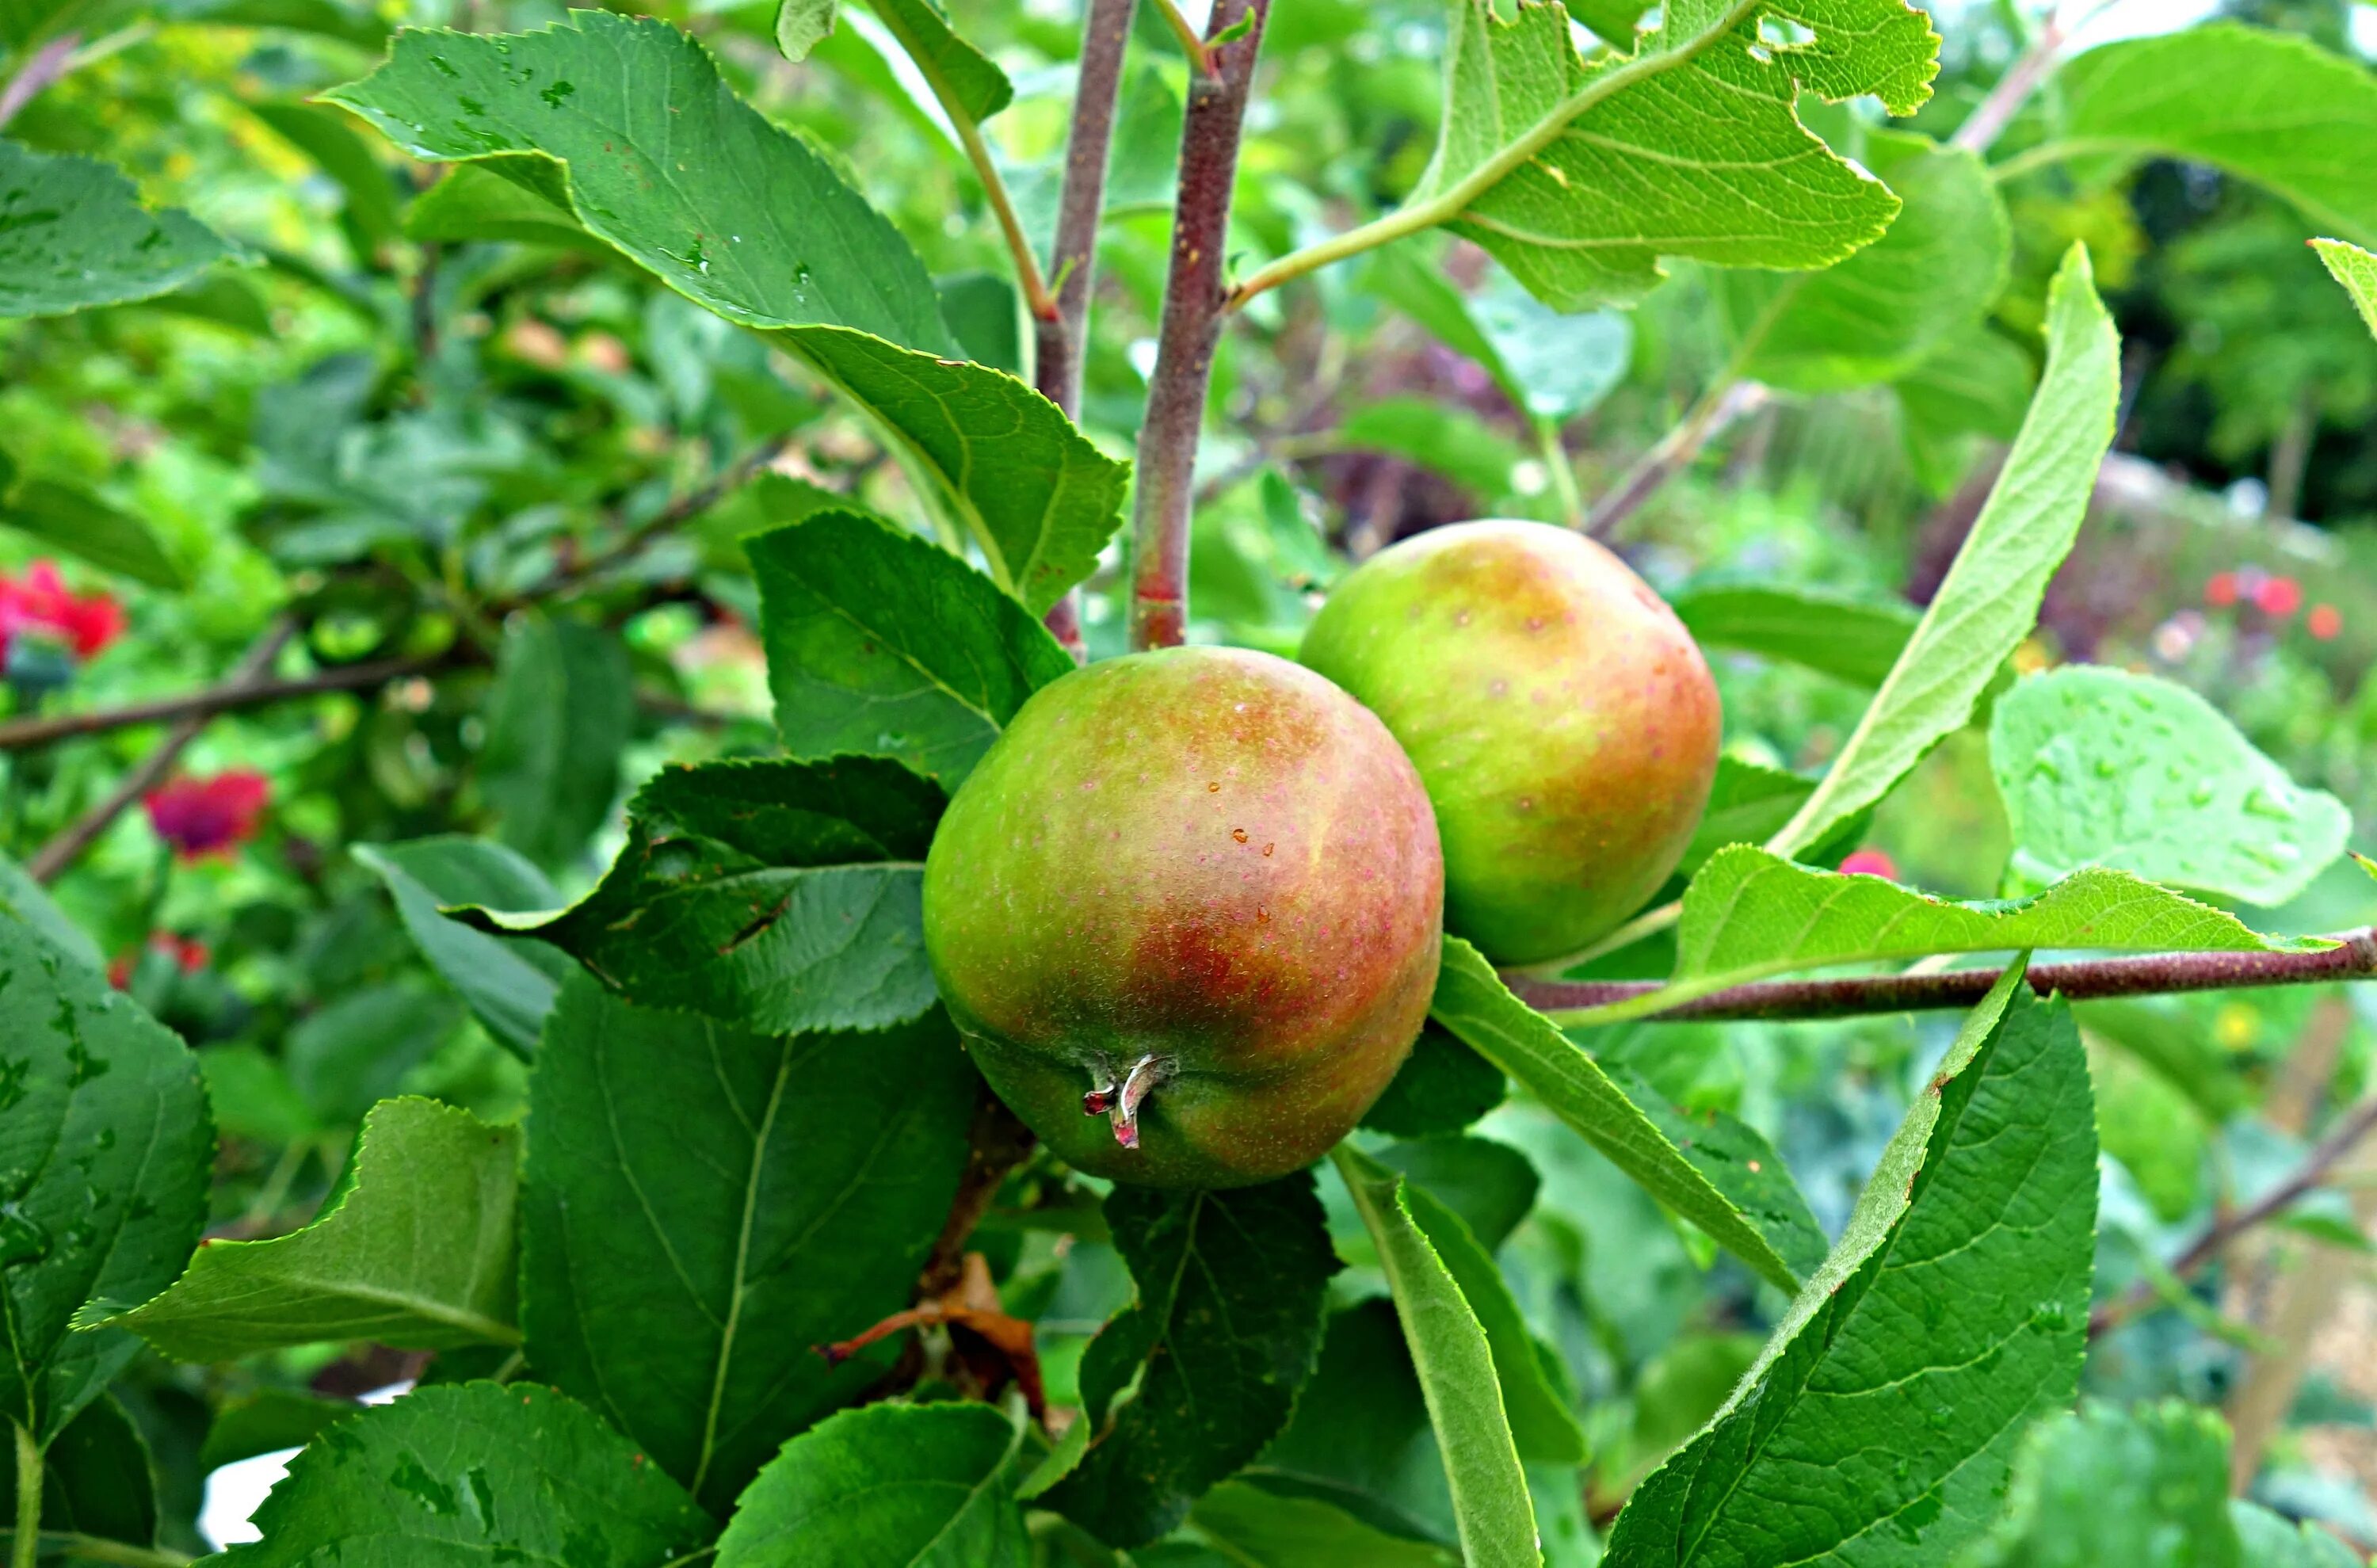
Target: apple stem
(1145, 1075)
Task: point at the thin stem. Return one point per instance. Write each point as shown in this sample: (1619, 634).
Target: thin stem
(1986, 123)
(63, 851)
(1027, 265)
(2353, 958)
(229, 695)
(2044, 154)
(1062, 345)
(1456, 199)
(1726, 401)
(691, 504)
(1192, 325)
(1563, 472)
(997, 1142)
(25, 1551)
(2214, 1238)
(1190, 44)
(45, 66)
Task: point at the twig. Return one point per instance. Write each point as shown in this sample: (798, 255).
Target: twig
(998, 1142)
(1062, 343)
(1190, 44)
(1718, 408)
(2216, 1237)
(1985, 124)
(1073, 260)
(229, 695)
(994, 187)
(2353, 958)
(45, 66)
(62, 851)
(692, 504)
(1191, 324)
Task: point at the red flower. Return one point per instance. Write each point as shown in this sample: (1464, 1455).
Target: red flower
(1871, 862)
(86, 623)
(2324, 622)
(200, 816)
(2220, 589)
(188, 954)
(2278, 597)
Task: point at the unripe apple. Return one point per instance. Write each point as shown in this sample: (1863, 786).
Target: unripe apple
(1561, 715)
(1185, 911)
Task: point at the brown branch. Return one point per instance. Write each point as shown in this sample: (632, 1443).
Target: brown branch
(997, 1142)
(1193, 298)
(2353, 958)
(692, 504)
(45, 66)
(1674, 453)
(62, 850)
(2215, 1238)
(1983, 126)
(232, 694)
(1073, 261)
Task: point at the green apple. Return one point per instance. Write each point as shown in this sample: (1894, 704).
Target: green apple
(1561, 715)
(1187, 913)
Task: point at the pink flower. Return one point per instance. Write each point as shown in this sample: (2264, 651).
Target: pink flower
(2326, 622)
(200, 816)
(2278, 597)
(85, 622)
(1871, 862)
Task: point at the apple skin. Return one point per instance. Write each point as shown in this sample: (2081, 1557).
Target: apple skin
(1207, 858)
(1561, 715)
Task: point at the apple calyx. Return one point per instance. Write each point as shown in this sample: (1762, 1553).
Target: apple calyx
(1121, 1105)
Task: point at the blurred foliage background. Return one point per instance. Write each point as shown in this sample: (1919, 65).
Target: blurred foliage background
(464, 498)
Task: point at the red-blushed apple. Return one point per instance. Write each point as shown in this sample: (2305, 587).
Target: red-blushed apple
(1561, 715)
(1187, 913)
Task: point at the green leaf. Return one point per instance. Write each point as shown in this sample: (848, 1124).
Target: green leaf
(2269, 1541)
(2271, 107)
(1224, 1329)
(777, 895)
(891, 1485)
(1472, 1001)
(1877, 314)
(2356, 270)
(1541, 1425)
(1975, 384)
(703, 1206)
(474, 1473)
(508, 981)
(78, 523)
(1990, 597)
(356, 1050)
(1855, 637)
(879, 642)
(329, 138)
(1036, 498)
(97, 1480)
(1551, 365)
(1491, 1186)
(1878, 1425)
(664, 164)
(25, 900)
(266, 1421)
(417, 1252)
(1747, 804)
(76, 235)
(1750, 914)
(105, 1146)
(802, 24)
(1443, 437)
(2104, 1486)
(1740, 1163)
(1579, 175)
(561, 712)
(1255, 1528)
(986, 312)
(1458, 1367)
(664, 161)
(471, 202)
(962, 77)
(1360, 1439)
(1441, 1087)
(2098, 767)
